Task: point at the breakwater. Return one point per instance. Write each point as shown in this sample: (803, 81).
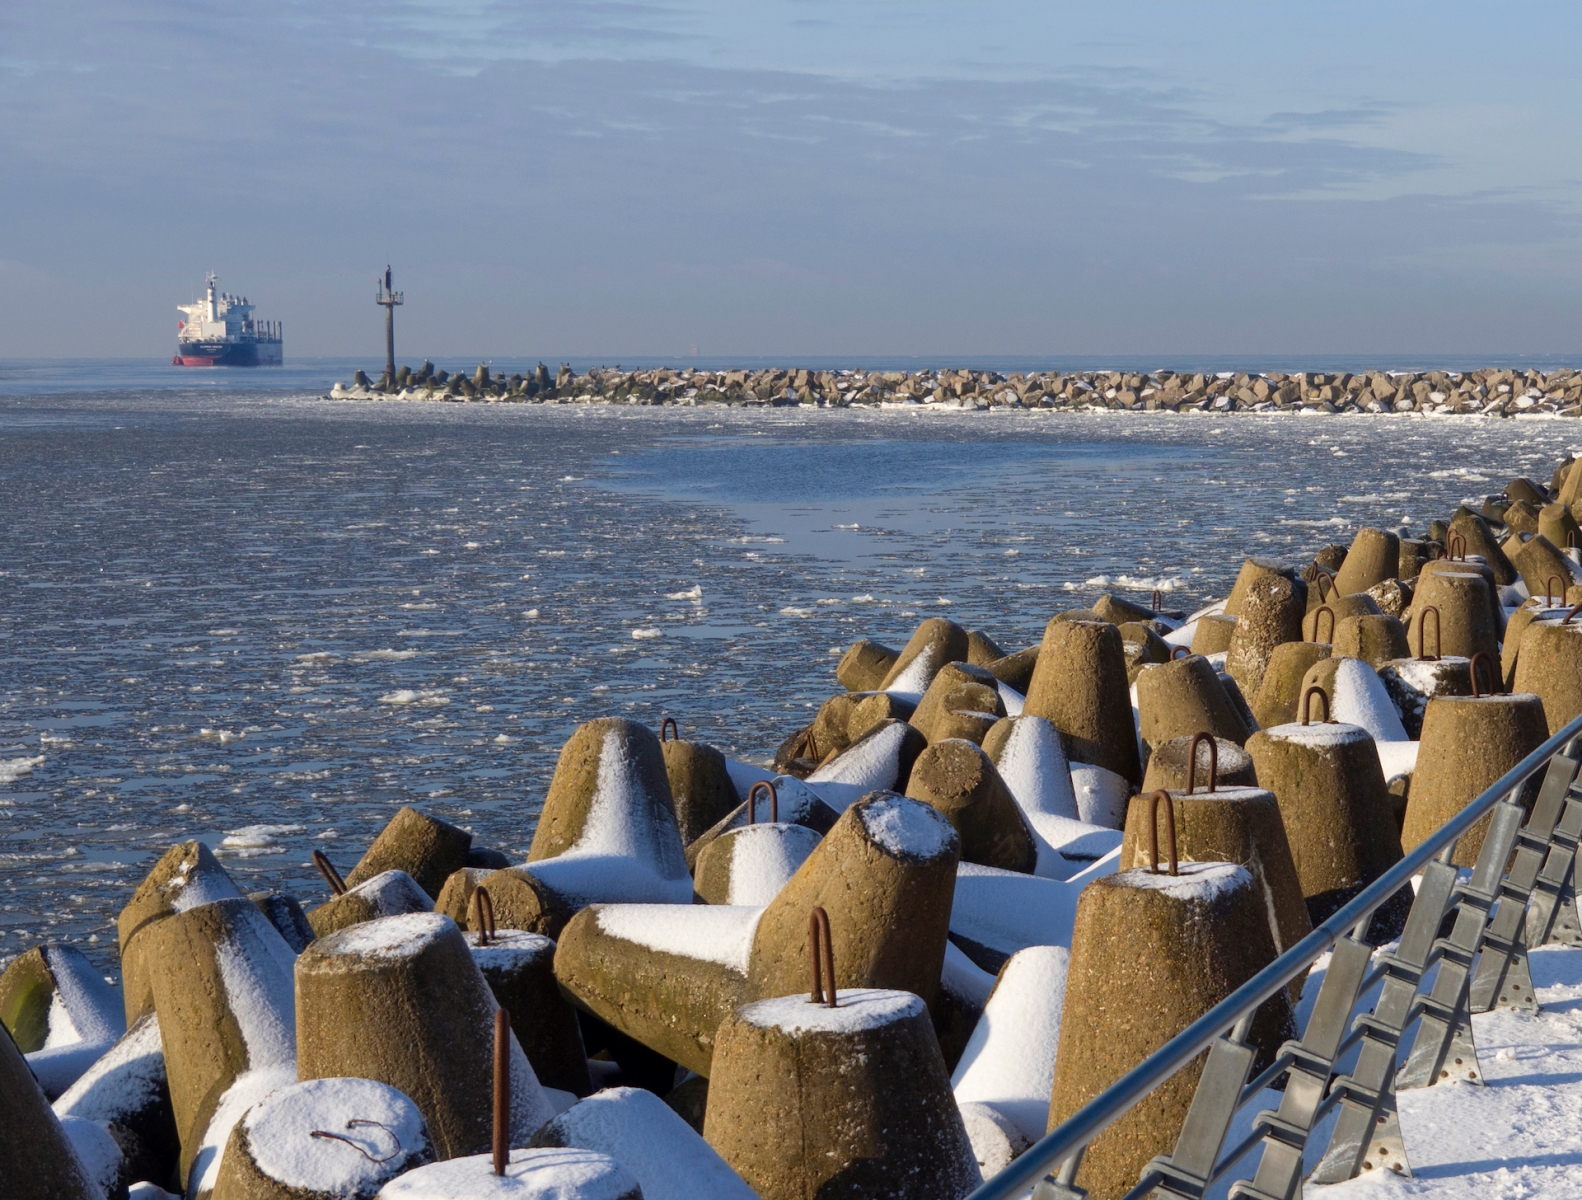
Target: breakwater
(1490, 392)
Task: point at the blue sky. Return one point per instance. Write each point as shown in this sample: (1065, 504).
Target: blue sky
(796, 176)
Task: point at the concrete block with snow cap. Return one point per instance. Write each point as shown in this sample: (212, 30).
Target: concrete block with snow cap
(519, 968)
(389, 894)
(1357, 696)
(794, 802)
(935, 642)
(37, 1159)
(1412, 682)
(279, 1149)
(958, 779)
(750, 865)
(1080, 687)
(185, 876)
(60, 1011)
(226, 1023)
(400, 1000)
(664, 1154)
(881, 760)
(846, 1102)
(544, 1174)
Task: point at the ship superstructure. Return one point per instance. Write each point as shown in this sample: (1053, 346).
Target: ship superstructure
(220, 331)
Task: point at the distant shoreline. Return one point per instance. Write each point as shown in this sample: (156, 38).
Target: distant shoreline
(1488, 392)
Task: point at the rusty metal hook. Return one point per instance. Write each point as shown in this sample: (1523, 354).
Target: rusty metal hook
(331, 875)
(1571, 539)
(1549, 590)
(1159, 599)
(1153, 832)
(1326, 585)
(500, 1143)
(774, 802)
(1422, 624)
(819, 940)
(1456, 547)
(352, 1124)
(1483, 657)
(1566, 620)
(670, 724)
(484, 920)
(1213, 762)
(1307, 703)
(1319, 612)
(1180, 652)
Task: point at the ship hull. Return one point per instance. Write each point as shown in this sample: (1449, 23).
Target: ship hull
(227, 354)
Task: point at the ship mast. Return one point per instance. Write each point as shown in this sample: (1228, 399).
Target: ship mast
(388, 299)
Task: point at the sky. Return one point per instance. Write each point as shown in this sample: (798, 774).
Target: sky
(796, 177)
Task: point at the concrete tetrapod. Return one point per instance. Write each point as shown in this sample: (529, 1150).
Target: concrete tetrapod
(1027, 753)
(226, 1023)
(1321, 626)
(792, 802)
(1480, 541)
(1168, 947)
(1270, 614)
(1335, 808)
(700, 785)
(1080, 687)
(1167, 768)
(1465, 617)
(1213, 633)
(520, 971)
(1468, 742)
(285, 914)
(1374, 639)
(1556, 523)
(751, 864)
(983, 649)
(1281, 691)
(864, 665)
(399, 1000)
(425, 847)
(542, 1174)
(881, 760)
(956, 777)
(325, 1139)
(455, 898)
(1543, 565)
(1550, 667)
(1252, 571)
(1375, 556)
(390, 894)
(1142, 647)
(963, 701)
(37, 1160)
(1180, 698)
(185, 876)
(1464, 567)
(52, 996)
(933, 643)
(1413, 682)
(809, 1102)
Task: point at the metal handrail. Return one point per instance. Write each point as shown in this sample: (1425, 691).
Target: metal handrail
(1073, 1134)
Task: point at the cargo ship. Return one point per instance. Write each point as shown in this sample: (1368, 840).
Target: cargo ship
(219, 331)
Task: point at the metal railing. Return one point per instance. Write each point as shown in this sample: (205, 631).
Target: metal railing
(1521, 893)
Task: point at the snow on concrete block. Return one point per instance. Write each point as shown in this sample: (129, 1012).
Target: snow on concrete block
(542, 1174)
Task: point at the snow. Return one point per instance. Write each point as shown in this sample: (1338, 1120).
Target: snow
(58, 1067)
(1358, 697)
(858, 1009)
(963, 977)
(546, 1174)
(794, 802)
(1424, 675)
(1013, 700)
(510, 949)
(717, 933)
(1033, 765)
(96, 1149)
(1318, 734)
(1101, 795)
(84, 1007)
(915, 677)
(1009, 911)
(1397, 758)
(872, 765)
(246, 1090)
(125, 1078)
(1204, 882)
(1009, 1062)
(187, 889)
(393, 893)
(763, 859)
(630, 849)
(995, 1139)
(389, 937)
(744, 775)
(909, 828)
(662, 1151)
(279, 1135)
(149, 1191)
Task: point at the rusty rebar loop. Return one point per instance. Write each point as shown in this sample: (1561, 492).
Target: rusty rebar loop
(821, 953)
(1549, 590)
(483, 915)
(331, 875)
(1437, 551)
(1456, 547)
(670, 724)
(1422, 625)
(1307, 703)
(1566, 620)
(1180, 652)
(1572, 540)
(500, 1143)
(1319, 612)
(1488, 664)
(1325, 583)
(752, 802)
(326, 1135)
(1153, 831)
(1158, 599)
(1213, 762)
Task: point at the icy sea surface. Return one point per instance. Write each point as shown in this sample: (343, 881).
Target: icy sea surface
(268, 620)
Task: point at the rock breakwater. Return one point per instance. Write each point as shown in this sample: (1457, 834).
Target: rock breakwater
(1495, 392)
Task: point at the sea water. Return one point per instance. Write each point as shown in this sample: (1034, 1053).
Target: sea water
(239, 612)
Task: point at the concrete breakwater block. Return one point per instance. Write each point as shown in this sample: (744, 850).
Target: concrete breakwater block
(1172, 947)
(1323, 619)
(37, 1159)
(853, 1101)
(1356, 696)
(749, 866)
(880, 761)
(1468, 742)
(847, 717)
(1413, 682)
(1168, 767)
(455, 898)
(126, 1093)
(701, 792)
(793, 802)
(425, 847)
(1463, 616)
(1031, 761)
(185, 876)
(400, 1000)
(962, 701)
(61, 1012)
(1270, 613)
(1543, 566)
(1183, 697)
(1254, 570)
(1212, 633)
(933, 643)
(1276, 700)
(1374, 639)
(958, 779)
(1549, 666)
(529, 1175)
(1080, 687)
(285, 913)
(1373, 557)
(388, 894)
(1335, 808)
(519, 968)
(996, 913)
(667, 1157)
(324, 1139)
(864, 665)
(1481, 543)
